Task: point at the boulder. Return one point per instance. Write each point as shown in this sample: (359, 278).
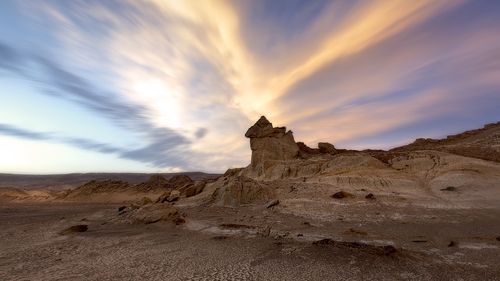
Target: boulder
(341, 195)
(195, 189)
(163, 198)
(240, 190)
(370, 196)
(174, 196)
(325, 147)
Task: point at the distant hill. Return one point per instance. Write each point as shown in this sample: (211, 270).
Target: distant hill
(483, 143)
(64, 181)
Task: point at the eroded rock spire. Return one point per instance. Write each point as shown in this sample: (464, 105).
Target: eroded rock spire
(270, 143)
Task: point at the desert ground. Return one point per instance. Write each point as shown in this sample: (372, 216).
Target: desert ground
(426, 211)
(232, 244)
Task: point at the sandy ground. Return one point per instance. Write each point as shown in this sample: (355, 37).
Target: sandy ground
(248, 243)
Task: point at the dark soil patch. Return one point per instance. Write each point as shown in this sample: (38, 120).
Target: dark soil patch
(367, 248)
(75, 229)
(236, 226)
(341, 195)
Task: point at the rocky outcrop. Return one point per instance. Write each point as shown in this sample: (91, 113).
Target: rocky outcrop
(241, 190)
(159, 183)
(269, 144)
(481, 143)
(305, 151)
(150, 213)
(325, 147)
(195, 188)
(180, 181)
(155, 182)
(279, 165)
(94, 186)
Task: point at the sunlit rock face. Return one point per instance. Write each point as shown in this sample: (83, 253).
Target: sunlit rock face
(427, 171)
(269, 144)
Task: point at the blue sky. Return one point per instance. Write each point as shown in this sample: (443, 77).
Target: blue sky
(163, 85)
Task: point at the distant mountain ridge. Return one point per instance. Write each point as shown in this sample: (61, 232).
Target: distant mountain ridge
(483, 143)
(63, 181)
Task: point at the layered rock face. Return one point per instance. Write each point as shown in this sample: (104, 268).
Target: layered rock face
(282, 169)
(269, 144)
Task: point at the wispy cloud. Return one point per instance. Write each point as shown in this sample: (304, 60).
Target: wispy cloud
(165, 146)
(188, 77)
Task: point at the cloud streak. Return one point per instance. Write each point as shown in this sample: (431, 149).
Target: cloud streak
(165, 147)
(188, 77)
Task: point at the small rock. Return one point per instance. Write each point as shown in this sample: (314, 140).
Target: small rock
(266, 231)
(341, 195)
(370, 196)
(121, 208)
(145, 201)
(236, 226)
(358, 231)
(325, 241)
(449, 188)
(174, 196)
(221, 237)
(74, 229)
(195, 189)
(452, 244)
(179, 221)
(163, 198)
(389, 249)
(272, 203)
(498, 238)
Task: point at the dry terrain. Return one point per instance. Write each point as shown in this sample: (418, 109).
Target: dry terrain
(426, 211)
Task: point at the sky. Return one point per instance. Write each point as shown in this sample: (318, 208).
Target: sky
(168, 85)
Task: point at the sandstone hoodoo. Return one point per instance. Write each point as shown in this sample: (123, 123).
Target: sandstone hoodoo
(270, 143)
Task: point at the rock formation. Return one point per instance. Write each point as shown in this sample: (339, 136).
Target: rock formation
(325, 147)
(280, 168)
(270, 144)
